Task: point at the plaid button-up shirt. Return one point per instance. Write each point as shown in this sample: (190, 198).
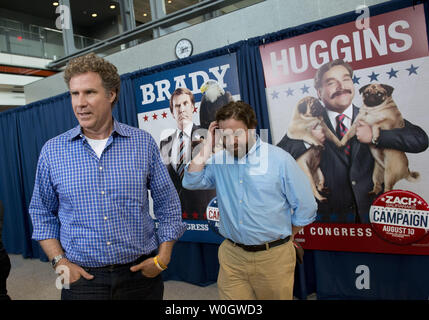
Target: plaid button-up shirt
(99, 207)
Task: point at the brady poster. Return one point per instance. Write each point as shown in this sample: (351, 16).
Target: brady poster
(349, 103)
(211, 83)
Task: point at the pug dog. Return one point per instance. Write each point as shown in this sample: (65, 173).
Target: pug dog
(307, 116)
(381, 113)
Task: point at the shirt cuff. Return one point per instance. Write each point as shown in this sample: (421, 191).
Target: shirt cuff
(53, 232)
(169, 232)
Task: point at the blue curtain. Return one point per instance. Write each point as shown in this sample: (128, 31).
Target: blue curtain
(125, 110)
(252, 83)
(15, 236)
(24, 131)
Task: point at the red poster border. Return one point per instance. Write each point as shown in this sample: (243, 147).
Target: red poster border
(310, 238)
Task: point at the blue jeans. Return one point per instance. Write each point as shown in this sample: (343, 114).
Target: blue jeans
(115, 283)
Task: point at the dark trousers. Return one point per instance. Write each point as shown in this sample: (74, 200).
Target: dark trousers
(115, 283)
(4, 273)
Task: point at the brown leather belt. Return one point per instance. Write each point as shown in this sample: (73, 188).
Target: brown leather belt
(261, 247)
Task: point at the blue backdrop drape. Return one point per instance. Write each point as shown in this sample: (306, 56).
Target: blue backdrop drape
(24, 131)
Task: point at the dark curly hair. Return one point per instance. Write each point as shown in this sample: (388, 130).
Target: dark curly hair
(110, 78)
(240, 111)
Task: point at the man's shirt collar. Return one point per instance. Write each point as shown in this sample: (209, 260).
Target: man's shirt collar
(187, 130)
(333, 114)
(77, 131)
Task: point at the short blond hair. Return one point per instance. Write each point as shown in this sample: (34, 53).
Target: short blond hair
(110, 78)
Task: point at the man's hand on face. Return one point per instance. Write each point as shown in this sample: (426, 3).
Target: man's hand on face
(364, 132)
(198, 162)
(211, 142)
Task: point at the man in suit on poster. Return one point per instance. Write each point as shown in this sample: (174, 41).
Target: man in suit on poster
(176, 151)
(348, 171)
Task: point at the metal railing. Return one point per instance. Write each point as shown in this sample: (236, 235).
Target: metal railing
(35, 41)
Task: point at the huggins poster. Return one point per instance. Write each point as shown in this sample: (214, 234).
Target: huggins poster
(176, 107)
(350, 104)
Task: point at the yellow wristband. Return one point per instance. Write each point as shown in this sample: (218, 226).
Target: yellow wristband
(163, 266)
(159, 264)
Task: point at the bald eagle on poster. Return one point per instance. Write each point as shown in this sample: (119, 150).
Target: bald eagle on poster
(213, 98)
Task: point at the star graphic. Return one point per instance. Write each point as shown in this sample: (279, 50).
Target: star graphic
(392, 73)
(184, 215)
(289, 92)
(274, 95)
(304, 89)
(355, 79)
(195, 110)
(205, 216)
(195, 215)
(145, 117)
(155, 116)
(383, 199)
(373, 76)
(412, 70)
(164, 114)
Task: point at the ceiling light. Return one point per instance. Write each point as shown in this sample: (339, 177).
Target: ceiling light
(94, 15)
(112, 6)
(55, 3)
(144, 14)
(169, 1)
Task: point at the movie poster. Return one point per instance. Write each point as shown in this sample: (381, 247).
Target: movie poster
(388, 86)
(212, 82)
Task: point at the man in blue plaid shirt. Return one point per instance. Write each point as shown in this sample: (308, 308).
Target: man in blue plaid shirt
(90, 205)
